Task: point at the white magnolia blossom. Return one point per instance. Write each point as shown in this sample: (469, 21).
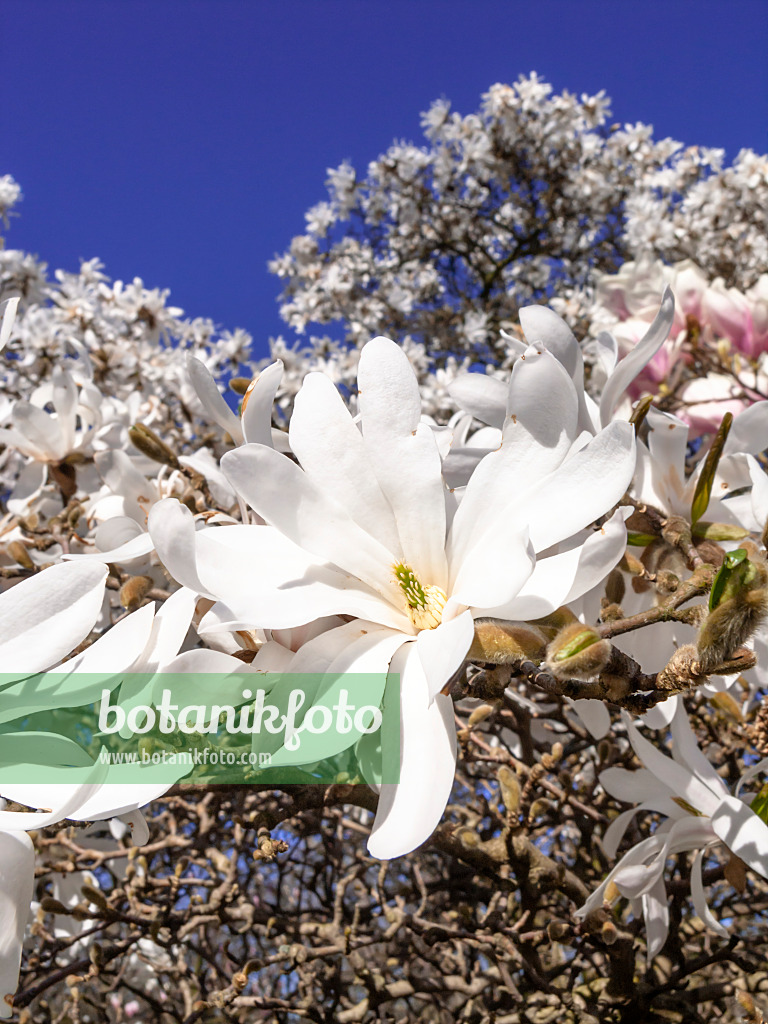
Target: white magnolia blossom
(701, 814)
(365, 526)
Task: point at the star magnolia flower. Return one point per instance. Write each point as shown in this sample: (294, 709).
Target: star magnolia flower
(365, 527)
(700, 813)
(485, 397)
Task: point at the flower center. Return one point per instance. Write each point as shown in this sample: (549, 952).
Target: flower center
(425, 604)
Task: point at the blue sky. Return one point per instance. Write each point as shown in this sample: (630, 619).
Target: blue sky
(183, 140)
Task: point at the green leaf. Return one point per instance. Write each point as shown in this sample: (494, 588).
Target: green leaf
(726, 576)
(718, 531)
(706, 479)
(640, 540)
(760, 804)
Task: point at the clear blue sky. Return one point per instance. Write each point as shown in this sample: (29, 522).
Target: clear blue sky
(182, 140)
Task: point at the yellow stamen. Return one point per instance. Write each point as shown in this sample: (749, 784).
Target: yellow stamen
(424, 604)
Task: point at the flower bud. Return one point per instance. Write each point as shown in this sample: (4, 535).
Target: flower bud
(509, 784)
(134, 590)
(481, 712)
(19, 553)
(468, 837)
(149, 444)
(577, 652)
(53, 906)
(729, 626)
(498, 643)
(240, 384)
(609, 932)
(557, 930)
(615, 587)
(539, 808)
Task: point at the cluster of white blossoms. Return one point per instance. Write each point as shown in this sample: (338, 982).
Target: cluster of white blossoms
(529, 524)
(531, 196)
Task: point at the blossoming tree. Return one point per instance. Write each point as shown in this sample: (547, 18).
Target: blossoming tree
(549, 577)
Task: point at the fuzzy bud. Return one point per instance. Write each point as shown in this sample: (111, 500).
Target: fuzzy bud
(53, 906)
(134, 590)
(615, 587)
(152, 446)
(481, 712)
(539, 808)
(509, 784)
(557, 930)
(499, 643)
(738, 604)
(577, 652)
(609, 932)
(240, 385)
(19, 553)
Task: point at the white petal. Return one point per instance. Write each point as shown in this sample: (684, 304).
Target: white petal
(138, 546)
(749, 431)
(113, 799)
(287, 499)
(41, 429)
(172, 530)
(268, 581)
(211, 399)
(256, 417)
(661, 716)
(17, 878)
(168, 631)
(9, 308)
(535, 442)
(81, 680)
(656, 914)
(28, 483)
(607, 352)
(750, 773)
(640, 356)
(60, 800)
(634, 786)
(138, 826)
(600, 553)
(332, 452)
(699, 897)
(542, 324)
(483, 396)
(443, 650)
(615, 831)
(559, 579)
(737, 825)
(595, 716)
(44, 617)
(494, 571)
(759, 495)
(409, 811)
(679, 779)
(686, 750)
(404, 455)
(583, 489)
